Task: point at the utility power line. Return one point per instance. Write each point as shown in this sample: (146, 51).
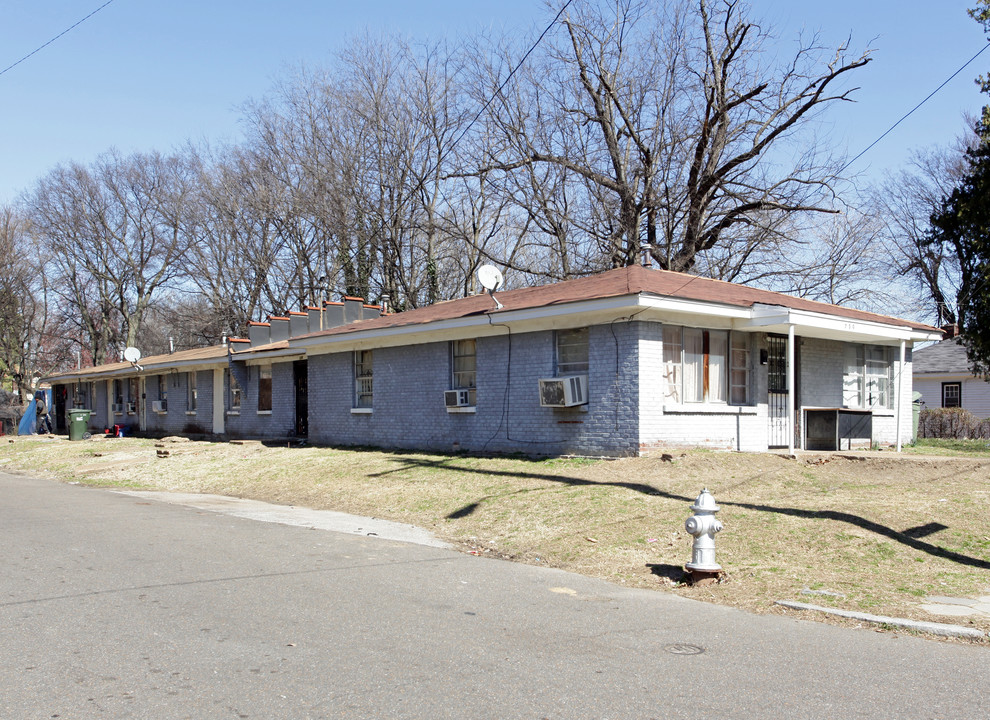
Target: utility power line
(42, 47)
(911, 111)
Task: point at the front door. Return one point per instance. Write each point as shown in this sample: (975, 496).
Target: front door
(777, 405)
(300, 380)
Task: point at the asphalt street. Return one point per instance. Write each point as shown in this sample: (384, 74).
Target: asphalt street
(121, 606)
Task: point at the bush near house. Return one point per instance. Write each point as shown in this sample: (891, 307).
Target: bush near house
(952, 424)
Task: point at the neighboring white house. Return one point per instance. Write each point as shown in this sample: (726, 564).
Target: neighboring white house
(943, 377)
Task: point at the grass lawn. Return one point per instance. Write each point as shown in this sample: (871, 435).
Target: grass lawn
(875, 535)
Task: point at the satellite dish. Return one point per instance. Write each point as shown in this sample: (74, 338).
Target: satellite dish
(490, 277)
(132, 354)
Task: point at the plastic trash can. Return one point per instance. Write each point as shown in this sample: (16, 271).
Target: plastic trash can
(79, 424)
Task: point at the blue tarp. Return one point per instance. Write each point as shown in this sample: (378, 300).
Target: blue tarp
(29, 423)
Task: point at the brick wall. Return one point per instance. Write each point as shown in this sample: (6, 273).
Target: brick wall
(409, 411)
(280, 423)
(724, 427)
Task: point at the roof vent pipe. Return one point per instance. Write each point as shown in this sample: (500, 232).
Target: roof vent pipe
(644, 248)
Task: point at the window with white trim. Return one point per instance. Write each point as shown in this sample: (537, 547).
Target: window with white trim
(80, 395)
(132, 394)
(705, 366)
(867, 379)
(162, 387)
(265, 388)
(192, 392)
(463, 366)
(571, 347)
(363, 380)
(233, 391)
(951, 394)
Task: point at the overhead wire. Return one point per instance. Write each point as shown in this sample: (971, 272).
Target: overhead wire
(916, 107)
(68, 29)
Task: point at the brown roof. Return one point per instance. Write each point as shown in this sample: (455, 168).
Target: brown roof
(207, 354)
(631, 280)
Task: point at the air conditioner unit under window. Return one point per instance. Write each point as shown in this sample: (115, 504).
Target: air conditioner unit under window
(118, 407)
(457, 398)
(159, 406)
(564, 391)
(132, 407)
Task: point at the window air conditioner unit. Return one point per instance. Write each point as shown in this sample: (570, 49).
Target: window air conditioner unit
(457, 398)
(132, 407)
(118, 407)
(564, 391)
(159, 406)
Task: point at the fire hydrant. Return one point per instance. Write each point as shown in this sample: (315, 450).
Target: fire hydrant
(703, 526)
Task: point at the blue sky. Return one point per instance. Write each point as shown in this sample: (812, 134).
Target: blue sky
(144, 76)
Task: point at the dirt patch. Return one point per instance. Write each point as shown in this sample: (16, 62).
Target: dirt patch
(873, 533)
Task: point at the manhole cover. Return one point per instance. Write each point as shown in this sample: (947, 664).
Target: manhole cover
(684, 649)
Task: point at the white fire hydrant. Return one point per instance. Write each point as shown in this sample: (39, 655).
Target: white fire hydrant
(703, 526)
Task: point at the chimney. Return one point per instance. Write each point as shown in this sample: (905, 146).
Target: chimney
(949, 331)
(370, 311)
(353, 307)
(644, 249)
(279, 328)
(259, 333)
(333, 314)
(314, 318)
(298, 323)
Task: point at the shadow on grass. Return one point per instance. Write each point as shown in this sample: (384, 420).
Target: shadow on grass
(674, 573)
(909, 537)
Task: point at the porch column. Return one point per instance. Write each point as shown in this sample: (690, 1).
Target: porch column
(110, 398)
(790, 389)
(218, 401)
(900, 395)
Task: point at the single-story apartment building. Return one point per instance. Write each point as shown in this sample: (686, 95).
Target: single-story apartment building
(620, 363)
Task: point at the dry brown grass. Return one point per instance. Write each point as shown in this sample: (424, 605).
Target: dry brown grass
(831, 524)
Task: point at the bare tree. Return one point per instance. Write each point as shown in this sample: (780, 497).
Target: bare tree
(905, 201)
(233, 261)
(674, 126)
(33, 342)
(114, 236)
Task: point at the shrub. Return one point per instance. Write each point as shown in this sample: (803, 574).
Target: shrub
(952, 424)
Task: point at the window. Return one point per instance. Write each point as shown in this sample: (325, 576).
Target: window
(233, 391)
(463, 363)
(163, 387)
(951, 395)
(80, 395)
(739, 369)
(868, 377)
(265, 389)
(118, 396)
(132, 394)
(192, 394)
(363, 381)
(572, 351)
(702, 366)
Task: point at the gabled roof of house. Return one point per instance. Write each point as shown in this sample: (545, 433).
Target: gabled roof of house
(631, 280)
(943, 358)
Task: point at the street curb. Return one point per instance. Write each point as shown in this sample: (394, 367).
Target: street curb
(941, 629)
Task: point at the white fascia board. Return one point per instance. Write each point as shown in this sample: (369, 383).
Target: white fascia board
(145, 371)
(574, 314)
(811, 324)
(679, 306)
(268, 357)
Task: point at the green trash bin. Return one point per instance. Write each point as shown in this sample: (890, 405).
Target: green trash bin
(79, 424)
